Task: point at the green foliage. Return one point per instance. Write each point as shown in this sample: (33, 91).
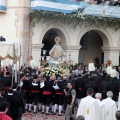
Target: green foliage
(77, 18)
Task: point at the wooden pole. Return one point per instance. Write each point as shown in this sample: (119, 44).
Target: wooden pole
(16, 64)
(13, 65)
(19, 67)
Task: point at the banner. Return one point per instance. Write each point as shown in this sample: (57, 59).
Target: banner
(2, 5)
(68, 6)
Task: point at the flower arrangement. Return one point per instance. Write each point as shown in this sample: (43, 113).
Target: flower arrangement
(57, 71)
(74, 19)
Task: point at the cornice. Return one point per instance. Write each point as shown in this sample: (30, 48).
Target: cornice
(14, 7)
(110, 48)
(65, 47)
(37, 46)
(71, 47)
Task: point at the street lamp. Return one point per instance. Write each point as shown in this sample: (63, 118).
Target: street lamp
(2, 39)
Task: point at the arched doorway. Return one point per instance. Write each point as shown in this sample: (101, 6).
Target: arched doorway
(48, 40)
(91, 43)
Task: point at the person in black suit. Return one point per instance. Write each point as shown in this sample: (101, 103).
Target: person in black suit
(80, 89)
(14, 101)
(113, 86)
(19, 95)
(1, 96)
(92, 85)
(34, 92)
(7, 80)
(47, 93)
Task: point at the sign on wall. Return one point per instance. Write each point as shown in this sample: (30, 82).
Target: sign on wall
(2, 5)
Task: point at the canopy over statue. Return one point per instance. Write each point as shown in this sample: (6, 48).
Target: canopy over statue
(57, 51)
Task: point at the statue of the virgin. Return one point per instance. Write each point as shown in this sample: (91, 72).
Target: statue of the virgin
(56, 52)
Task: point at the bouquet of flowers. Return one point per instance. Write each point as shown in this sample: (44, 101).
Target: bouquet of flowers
(57, 71)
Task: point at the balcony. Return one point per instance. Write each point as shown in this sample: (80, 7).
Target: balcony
(2, 6)
(69, 6)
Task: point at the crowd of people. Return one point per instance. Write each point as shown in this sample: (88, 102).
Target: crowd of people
(83, 89)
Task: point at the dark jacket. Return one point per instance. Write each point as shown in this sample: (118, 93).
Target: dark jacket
(80, 88)
(22, 102)
(13, 111)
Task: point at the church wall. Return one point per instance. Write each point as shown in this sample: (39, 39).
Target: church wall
(8, 21)
(14, 25)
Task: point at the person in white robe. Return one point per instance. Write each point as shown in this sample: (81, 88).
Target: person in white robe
(91, 66)
(110, 107)
(32, 62)
(98, 97)
(89, 107)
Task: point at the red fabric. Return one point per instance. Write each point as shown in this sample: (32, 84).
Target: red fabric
(46, 93)
(103, 91)
(80, 88)
(25, 90)
(3, 116)
(59, 93)
(6, 87)
(33, 91)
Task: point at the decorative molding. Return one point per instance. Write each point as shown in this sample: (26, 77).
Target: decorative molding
(14, 7)
(71, 47)
(2, 11)
(110, 48)
(37, 46)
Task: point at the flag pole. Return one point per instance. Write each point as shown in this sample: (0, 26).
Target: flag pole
(13, 65)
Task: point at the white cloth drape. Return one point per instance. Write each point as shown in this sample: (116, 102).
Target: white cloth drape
(7, 51)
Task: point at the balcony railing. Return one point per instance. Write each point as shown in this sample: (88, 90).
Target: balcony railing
(2, 5)
(69, 6)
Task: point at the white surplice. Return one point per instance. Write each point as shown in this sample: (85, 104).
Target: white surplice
(89, 108)
(110, 109)
(102, 109)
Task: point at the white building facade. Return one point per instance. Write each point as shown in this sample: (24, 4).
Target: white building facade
(15, 25)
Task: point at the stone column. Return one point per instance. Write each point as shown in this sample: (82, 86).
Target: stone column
(36, 53)
(73, 51)
(23, 28)
(111, 53)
